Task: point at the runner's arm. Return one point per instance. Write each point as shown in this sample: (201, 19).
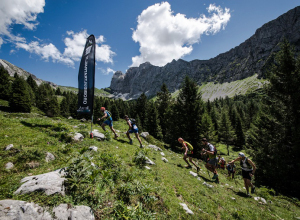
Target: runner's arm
(253, 165)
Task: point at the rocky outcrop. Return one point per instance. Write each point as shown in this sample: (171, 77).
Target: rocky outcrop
(12, 69)
(243, 61)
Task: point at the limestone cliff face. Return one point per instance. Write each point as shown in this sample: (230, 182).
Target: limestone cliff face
(243, 61)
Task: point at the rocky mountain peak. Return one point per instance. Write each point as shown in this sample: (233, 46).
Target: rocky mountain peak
(243, 61)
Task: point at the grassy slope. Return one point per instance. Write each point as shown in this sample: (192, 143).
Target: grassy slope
(240, 87)
(98, 92)
(170, 183)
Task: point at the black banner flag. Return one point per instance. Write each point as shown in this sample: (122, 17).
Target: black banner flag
(86, 77)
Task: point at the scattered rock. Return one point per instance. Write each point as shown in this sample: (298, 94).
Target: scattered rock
(50, 183)
(162, 154)
(49, 157)
(94, 148)
(78, 137)
(154, 147)
(98, 135)
(83, 120)
(232, 198)
(9, 165)
(188, 211)
(260, 199)
(199, 178)
(75, 126)
(70, 117)
(164, 159)
(208, 185)
(33, 165)
(193, 174)
(117, 147)
(148, 161)
(93, 165)
(226, 184)
(78, 212)
(147, 167)
(8, 147)
(15, 209)
(144, 134)
(203, 211)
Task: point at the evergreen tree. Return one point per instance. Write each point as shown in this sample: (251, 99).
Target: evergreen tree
(64, 108)
(32, 83)
(141, 108)
(114, 112)
(5, 85)
(275, 134)
(226, 131)
(164, 103)
(208, 127)
(58, 92)
(53, 107)
(152, 122)
(188, 109)
(20, 98)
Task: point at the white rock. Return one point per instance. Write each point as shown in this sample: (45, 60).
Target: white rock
(49, 157)
(193, 174)
(15, 209)
(148, 161)
(144, 134)
(260, 199)
(199, 178)
(70, 117)
(232, 198)
(78, 137)
(94, 148)
(98, 135)
(208, 185)
(226, 184)
(162, 154)
(92, 164)
(154, 147)
(78, 212)
(50, 183)
(147, 167)
(188, 211)
(8, 147)
(164, 159)
(9, 165)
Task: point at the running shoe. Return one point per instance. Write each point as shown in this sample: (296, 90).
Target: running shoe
(253, 189)
(130, 142)
(215, 176)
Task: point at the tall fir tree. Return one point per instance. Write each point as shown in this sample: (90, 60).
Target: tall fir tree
(226, 131)
(20, 98)
(141, 108)
(275, 134)
(187, 112)
(164, 102)
(5, 85)
(152, 122)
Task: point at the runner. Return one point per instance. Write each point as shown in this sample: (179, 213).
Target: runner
(108, 122)
(132, 129)
(248, 170)
(231, 169)
(222, 163)
(188, 153)
(212, 163)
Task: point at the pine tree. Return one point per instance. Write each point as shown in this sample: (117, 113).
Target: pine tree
(53, 107)
(5, 85)
(20, 98)
(152, 122)
(114, 112)
(187, 113)
(64, 108)
(275, 134)
(141, 108)
(32, 83)
(208, 127)
(164, 102)
(226, 131)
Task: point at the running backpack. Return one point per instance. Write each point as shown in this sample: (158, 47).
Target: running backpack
(133, 121)
(215, 149)
(109, 115)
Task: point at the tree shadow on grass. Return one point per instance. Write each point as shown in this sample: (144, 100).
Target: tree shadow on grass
(241, 194)
(34, 125)
(207, 180)
(5, 108)
(122, 141)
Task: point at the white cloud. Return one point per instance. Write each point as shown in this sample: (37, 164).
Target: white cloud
(46, 51)
(76, 42)
(19, 12)
(164, 36)
(107, 71)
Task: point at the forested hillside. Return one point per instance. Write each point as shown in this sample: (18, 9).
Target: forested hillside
(264, 125)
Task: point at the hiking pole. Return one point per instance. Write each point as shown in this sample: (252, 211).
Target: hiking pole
(91, 134)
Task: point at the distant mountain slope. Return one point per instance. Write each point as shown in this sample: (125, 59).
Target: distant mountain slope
(241, 62)
(12, 69)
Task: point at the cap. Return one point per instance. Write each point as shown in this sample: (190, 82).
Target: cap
(102, 108)
(204, 139)
(180, 139)
(241, 154)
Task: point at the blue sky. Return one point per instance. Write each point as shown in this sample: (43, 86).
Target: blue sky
(46, 37)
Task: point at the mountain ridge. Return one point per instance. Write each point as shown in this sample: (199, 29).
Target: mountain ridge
(249, 58)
